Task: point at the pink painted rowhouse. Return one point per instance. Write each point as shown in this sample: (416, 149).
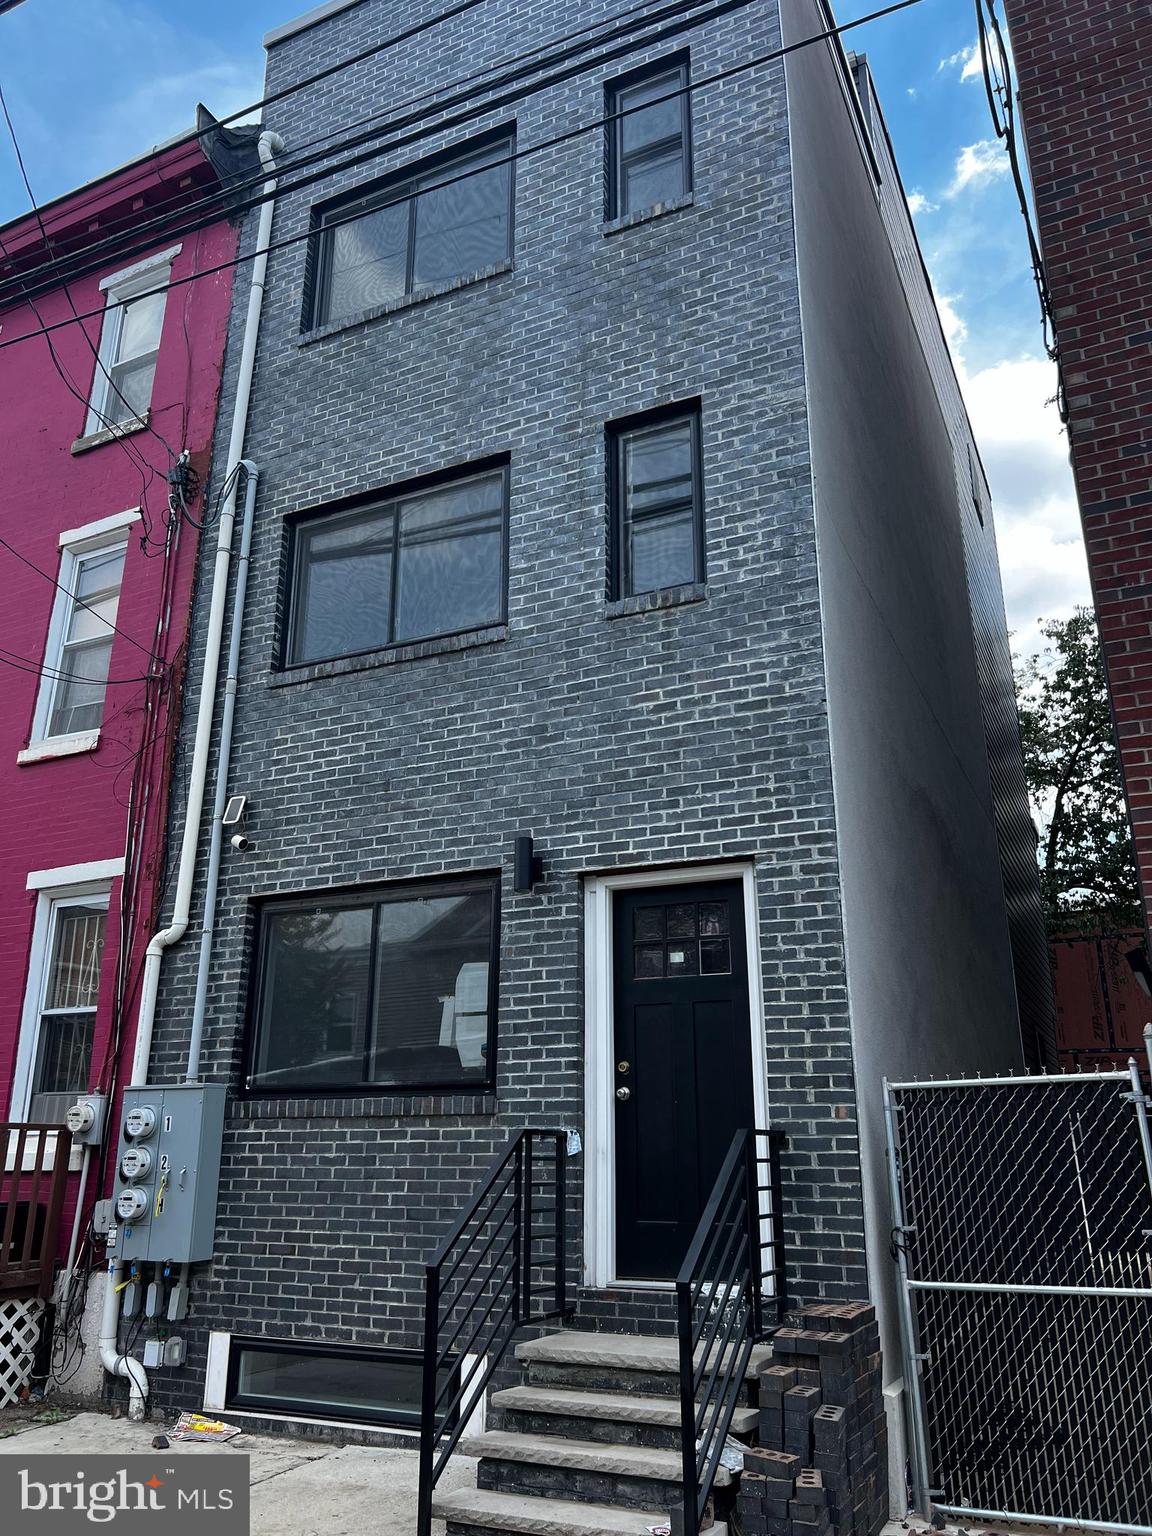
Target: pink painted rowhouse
(106, 426)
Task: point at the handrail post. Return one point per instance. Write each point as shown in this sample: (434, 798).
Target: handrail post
(561, 1224)
(428, 1398)
(690, 1489)
(525, 1313)
(755, 1250)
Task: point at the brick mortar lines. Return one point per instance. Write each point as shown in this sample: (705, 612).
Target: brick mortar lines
(691, 734)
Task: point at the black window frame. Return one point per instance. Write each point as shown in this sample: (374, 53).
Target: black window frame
(360, 897)
(678, 64)
(365, 506)
(617, 433)
(251, 1402)
(397, 187)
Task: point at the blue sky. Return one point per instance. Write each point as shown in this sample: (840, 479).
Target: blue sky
(91, 83)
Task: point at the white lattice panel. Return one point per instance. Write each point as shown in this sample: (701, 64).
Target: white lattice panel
(19, 1335)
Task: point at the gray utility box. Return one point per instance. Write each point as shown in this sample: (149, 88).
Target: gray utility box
(168, 1173)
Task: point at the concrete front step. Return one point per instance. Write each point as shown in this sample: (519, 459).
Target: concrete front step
(548, 1466)
(511, 1514)
(615, 1418)
(637, 1364)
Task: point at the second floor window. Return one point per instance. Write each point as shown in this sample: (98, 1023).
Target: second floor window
(407, 567)
(415, 232)
(649, 150)
(78, 653)
(656, 503)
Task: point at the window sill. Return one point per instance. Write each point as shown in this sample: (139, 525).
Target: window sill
(59, 746)
(386, 1106)
(409, 301)
(111, 434)
(649, 602)
(441, 645)
(646, 215)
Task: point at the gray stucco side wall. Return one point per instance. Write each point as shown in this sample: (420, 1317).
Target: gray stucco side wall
(930, 973)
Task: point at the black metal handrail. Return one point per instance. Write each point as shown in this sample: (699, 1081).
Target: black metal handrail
(502, 1265)
(722, 1291)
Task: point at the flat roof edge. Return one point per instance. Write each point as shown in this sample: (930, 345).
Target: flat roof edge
(309, 19)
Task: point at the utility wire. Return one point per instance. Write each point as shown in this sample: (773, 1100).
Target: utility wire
(25, 664)
(998, 85)
(168, 224)
(79, 600)
(516, 156)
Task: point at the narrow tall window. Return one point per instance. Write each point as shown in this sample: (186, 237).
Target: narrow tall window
(649, 144)
(129, 347)
(657, 511)
(407, 568)
(69, 996)
(416, 231)
(79, 650)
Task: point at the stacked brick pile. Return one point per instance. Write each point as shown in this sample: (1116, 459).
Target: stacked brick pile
(821, 1469)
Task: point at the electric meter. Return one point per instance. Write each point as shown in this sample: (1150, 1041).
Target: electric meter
(140, 1122)
(136, 1163)
(81, 1117)
(131, 1204)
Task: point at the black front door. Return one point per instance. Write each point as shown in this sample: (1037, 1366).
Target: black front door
(682, 1073)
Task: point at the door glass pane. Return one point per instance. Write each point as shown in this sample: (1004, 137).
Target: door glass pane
(648, 961)
(451, 560)
(682, 920)
(317, 972)
(651, 125)
(346, 570)
(682, 958)
(648, 923)
(431, 1020)
(77, 950)
(715, 957)
(713, 918)
(463, 227)
(368, 261)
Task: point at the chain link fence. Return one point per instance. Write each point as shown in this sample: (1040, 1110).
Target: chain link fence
(1024, 1239)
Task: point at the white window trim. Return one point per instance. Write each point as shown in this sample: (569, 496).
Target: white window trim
(600, 1057)
(118, 287)
(34, 988)
(87, 540)
(103, 525)
(62, 879)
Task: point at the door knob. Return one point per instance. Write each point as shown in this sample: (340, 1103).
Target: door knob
(623, 1093)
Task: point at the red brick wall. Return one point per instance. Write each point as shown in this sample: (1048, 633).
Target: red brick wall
(1084, 76)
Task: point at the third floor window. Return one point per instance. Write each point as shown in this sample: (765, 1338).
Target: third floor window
(649, 140)
(415, 231)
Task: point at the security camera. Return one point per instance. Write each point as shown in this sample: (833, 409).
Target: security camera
(241, 843)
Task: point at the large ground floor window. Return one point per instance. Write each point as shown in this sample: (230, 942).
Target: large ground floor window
(327, 1381)
(392, 987)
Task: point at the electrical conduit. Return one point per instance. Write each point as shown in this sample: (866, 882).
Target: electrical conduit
(269, 145)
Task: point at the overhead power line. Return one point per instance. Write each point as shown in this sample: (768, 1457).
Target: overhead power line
(557, 51)
(758, 62)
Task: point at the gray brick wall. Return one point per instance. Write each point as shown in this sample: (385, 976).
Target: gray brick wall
(694, 732)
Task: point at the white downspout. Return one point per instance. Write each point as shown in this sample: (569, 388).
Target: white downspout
(269, 145)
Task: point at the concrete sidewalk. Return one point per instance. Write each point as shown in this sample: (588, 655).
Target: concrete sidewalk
(299, 1488)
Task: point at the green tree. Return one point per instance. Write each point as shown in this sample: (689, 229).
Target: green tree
(1088, 873)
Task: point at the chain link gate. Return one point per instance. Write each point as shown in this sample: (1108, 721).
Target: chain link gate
(1023, 1235)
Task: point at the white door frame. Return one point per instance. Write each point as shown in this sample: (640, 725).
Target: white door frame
(599, 1054)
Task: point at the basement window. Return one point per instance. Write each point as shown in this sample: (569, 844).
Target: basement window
(343, 1382)
(392, 988)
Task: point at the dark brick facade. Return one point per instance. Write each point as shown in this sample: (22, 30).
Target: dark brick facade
(620, 736)
(1084, 72)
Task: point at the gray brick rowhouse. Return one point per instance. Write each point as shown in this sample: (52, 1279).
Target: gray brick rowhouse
(801, 706)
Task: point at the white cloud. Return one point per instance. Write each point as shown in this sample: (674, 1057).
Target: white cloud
(976, 166)
(918, 203)
(967, 60)
(1025, 453)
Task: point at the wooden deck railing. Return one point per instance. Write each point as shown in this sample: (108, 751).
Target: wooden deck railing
(33, 1173)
